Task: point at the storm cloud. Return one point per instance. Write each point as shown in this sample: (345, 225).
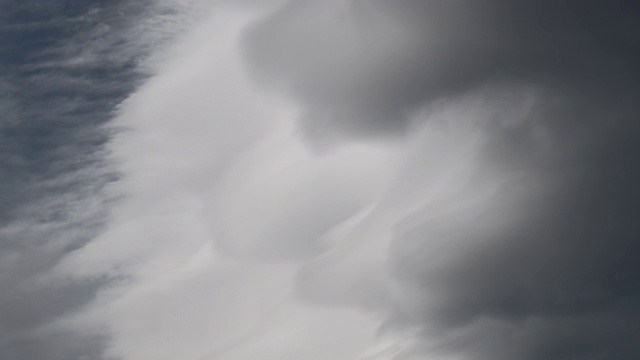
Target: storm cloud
(544, 267)
(330, 179)
(366, 66)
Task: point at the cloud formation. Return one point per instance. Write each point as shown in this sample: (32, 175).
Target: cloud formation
(64, 67)
(200, 238)
(543, 266)
(345, 180)
(366, 66)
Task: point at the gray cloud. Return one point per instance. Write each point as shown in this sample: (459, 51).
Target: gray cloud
(365, 66)
(486, 203)
(561, 268)
(548, 268)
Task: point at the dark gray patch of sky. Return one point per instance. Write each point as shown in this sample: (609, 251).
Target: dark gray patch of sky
(64, 66)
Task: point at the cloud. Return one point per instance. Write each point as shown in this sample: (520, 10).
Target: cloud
(220, 204)
(65, 66)
(550, 249)
(541, 264)
(364, 67)
(411, 179)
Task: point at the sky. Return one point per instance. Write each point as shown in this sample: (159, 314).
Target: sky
(319, 179)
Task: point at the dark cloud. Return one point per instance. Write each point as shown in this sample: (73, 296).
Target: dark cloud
(549, 267)
(364, 66)
(556, 278)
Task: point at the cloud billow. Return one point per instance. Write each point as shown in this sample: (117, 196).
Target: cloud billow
(366, 66)
(544, 268)
(476, 196)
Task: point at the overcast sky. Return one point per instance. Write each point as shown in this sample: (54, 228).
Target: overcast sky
(319, 180)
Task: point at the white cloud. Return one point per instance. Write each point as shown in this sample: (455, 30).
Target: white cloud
(238, 241)
(197, 142)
